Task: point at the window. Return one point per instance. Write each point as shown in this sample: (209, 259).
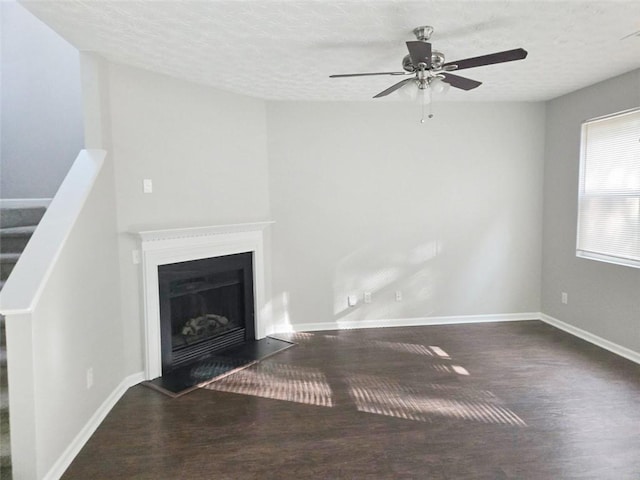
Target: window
(609, 192)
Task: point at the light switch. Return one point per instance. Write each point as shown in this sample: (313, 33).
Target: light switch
(147, 185)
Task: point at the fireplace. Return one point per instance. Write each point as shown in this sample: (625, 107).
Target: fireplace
(206, 306)
(180, 246)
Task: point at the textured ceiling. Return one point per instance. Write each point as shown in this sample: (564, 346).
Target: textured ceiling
(286, 50)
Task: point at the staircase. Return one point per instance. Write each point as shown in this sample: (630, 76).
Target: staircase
(16, 227)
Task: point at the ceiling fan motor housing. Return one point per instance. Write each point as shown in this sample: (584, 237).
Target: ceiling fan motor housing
(437, 60)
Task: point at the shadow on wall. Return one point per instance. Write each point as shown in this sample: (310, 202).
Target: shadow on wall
(383, 270)
(435, 276)
(471, 269)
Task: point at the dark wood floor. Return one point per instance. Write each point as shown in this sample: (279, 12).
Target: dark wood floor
(517, 400)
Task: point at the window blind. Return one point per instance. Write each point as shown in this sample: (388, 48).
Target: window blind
(609, 191)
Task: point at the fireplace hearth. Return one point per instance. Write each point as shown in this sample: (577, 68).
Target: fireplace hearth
(206, 306)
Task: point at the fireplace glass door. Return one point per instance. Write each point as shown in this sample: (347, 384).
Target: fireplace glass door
(206, 306)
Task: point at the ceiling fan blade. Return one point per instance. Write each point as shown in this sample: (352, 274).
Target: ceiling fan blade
(393, 88)
(460, 82)
(499, 57)
(366, 74)
(420, 52)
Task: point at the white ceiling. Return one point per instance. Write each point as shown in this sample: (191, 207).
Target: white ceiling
(286, 50)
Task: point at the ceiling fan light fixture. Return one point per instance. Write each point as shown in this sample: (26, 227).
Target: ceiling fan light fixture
(423, 90)
(409, 92)
(438, 86)
(424, 95)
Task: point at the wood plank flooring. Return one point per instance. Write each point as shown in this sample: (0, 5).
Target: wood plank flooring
(518, 400)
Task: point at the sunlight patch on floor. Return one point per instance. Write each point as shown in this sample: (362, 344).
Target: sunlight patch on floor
(415, 348)
(373, 393)
(279, 382)
(385, 397)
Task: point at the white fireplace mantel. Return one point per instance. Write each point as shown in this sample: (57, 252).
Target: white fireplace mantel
(162, 247)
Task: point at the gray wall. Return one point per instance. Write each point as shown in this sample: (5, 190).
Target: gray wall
(366, 198)
(604, 299)
(206, 153)
(40, 98)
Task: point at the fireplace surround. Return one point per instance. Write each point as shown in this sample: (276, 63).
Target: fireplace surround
(162, 248)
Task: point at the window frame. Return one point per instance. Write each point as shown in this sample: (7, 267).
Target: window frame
(582, 252)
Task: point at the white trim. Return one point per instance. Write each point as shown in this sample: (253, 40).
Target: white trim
(30, 275)
(451, 320)
(407, 322)
(69, 454)
(24, 202)
(611, 115)
(163, 247)
(591, 338)
(625, 262)
(175, 233)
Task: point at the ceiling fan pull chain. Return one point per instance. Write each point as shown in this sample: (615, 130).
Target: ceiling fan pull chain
(430, 102)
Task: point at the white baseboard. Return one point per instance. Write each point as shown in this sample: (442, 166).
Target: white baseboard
(591, 338)
(450, 320)
(406, 322)
(24, 202)
(90, 427)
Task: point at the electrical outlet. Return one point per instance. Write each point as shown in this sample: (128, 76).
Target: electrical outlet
(89, 377)
(367, 297)
(565, 298)
(352, 300)
(398, 296)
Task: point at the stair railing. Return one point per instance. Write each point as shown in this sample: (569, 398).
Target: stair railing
(19, 303)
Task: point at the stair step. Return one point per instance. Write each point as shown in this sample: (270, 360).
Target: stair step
(5, 436)
(9, 257)
(14, 239)
(7, 262)
(20, 217)
(17, 231)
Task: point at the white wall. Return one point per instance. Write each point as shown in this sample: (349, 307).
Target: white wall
(79, 326)
(205, 151)
(62, 314)
(40, 106)
(603, 298)
(366, 198)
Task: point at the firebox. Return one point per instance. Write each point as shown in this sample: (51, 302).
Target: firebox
(206, 306)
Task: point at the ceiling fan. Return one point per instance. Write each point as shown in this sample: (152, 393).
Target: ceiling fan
(428, 66)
